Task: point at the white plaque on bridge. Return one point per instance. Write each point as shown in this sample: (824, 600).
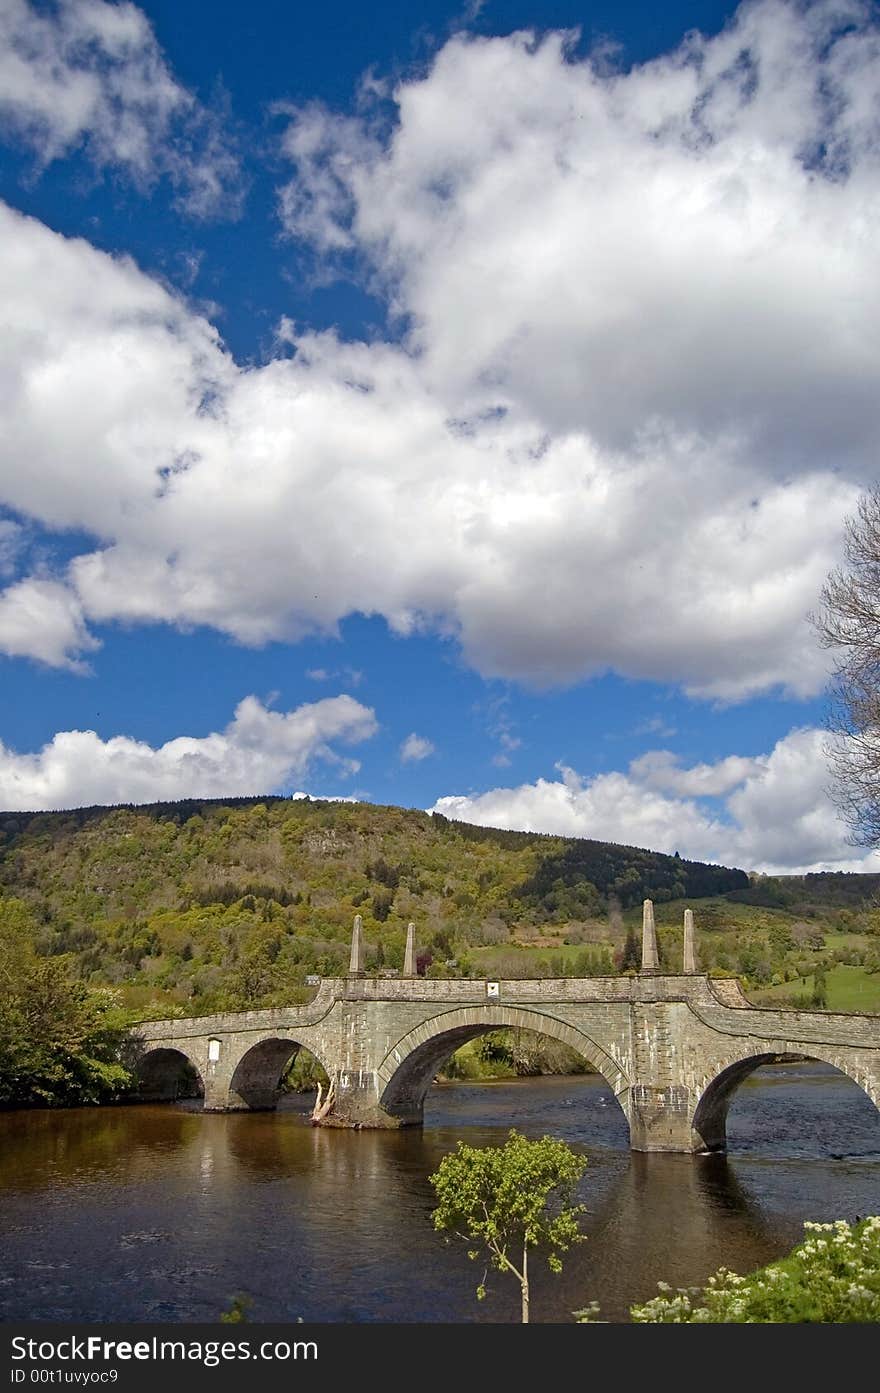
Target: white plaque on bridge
(491, 988)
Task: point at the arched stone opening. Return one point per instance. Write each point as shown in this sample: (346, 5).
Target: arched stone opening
(410, 1067)
(166, 1075)
(710, 1117)
(256, 1081)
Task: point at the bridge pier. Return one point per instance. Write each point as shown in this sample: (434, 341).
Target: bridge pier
(217, 1099)
(357, 1103)
(660, 1119)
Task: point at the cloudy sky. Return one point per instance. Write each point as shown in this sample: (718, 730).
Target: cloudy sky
(448, 405)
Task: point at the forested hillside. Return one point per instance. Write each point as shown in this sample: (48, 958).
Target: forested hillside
(208, 904)
(198, 906)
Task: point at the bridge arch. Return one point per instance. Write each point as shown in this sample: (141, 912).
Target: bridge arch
(405, 1074)
(709, 1122)
(166, 1073)
(256, 1077)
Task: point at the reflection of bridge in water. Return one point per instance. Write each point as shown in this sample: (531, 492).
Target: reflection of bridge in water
(673, 1048)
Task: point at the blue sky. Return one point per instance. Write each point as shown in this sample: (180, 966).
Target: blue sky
(449, 406)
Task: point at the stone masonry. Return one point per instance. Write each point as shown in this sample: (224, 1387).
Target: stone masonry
(672, 1048)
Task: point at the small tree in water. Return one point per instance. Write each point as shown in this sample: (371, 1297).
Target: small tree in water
(510, 1199)
(237, 1311)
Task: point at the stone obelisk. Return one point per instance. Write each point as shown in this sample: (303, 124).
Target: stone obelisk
(690, 946)
(356, 966)
(409, 957)
(650, 961)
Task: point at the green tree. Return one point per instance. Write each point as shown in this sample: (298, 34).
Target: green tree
(59, 1042)
(833, 1277)
(238, 1309)
(820, 989)
(511, 1199)
(631, 959)
(381, 905)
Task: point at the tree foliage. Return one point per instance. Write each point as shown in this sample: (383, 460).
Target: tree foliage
(222, 904)
(510, 1199)
(848, 624)
(216, 905)
(632, 956)
(820, 989)
(832, 1277)
(59, 1042)
(575, 877)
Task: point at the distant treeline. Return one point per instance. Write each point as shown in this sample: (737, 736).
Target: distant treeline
(627, 873)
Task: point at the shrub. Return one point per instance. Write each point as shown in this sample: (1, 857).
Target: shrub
(832, 1277)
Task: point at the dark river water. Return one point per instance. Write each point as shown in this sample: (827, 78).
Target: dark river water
(160, 1212)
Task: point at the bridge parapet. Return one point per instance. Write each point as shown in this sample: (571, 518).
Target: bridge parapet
(765, 1023)
(729, 991)
(704, 994)
(220, 1022)
(668, 987)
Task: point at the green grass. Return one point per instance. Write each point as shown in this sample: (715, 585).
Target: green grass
(524, 959)
(470, 1068)
(848, 988)
(715, 913)
(849, 940)
(528, 951)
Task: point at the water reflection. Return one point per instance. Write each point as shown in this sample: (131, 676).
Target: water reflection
(673, 1219)
(157, 1212)
(37, 1148)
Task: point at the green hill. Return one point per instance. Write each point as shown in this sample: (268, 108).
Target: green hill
(205, 904)
(202, 905)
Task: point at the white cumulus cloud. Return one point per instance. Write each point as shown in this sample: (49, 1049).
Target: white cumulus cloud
(777, 815)
(660, 769)
(638, 391)
(260, 751)
(415, 748)
(89, 74)
(42, 619)
(689, 242)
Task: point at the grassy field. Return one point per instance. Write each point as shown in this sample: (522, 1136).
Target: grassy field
(525, 960)
(714, 912)
(848, 989)
(724, 929)
(848, 940)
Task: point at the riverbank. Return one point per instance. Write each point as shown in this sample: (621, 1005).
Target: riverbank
(512, 1054)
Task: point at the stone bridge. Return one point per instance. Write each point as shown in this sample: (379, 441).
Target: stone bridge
(673, 1048)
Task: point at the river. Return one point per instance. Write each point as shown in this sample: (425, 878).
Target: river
(161, 1212)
